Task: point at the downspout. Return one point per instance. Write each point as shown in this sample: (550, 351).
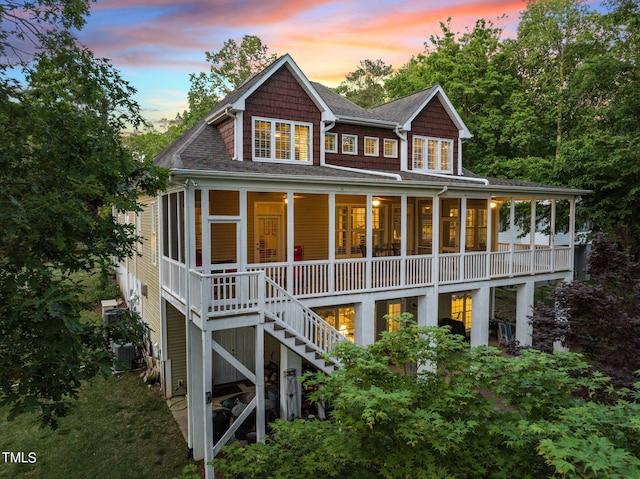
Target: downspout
(236, 136)
(346, 168)
(403, 149)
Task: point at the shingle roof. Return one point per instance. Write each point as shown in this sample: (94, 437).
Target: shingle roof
(340, 105)
(402, 109)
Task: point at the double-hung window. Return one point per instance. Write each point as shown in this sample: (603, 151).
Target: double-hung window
(371, 146)
(432, 154)
(331, 143)
(350, 144)
(390, 148)
(281, 140)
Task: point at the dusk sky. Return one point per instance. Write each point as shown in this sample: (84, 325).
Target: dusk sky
(157, 43)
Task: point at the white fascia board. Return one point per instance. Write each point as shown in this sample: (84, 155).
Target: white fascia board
(327, 114)
(448, 106)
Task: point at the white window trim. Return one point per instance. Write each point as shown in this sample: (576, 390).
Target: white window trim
(154, 234)
(272, 147)
(355, 142)
(426, 149)
(377, 140)
(335, 142)
(395, 148)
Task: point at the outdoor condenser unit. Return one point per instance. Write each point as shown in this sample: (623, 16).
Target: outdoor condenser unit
(126, 354)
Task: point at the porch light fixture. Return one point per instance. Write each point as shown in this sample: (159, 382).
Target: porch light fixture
(493, 205)
(376, 202)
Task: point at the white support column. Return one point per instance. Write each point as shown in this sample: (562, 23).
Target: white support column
(206, 400)
(428, 309)
(290, 390)
(524, 309)
(512, 233)
(369, 241)
(532, 236)
(289, 204)
(260, 393)
(196, 394)
(489, 237)
(404, 235)
(332, 241)
(480, 308)
(462, 246)
(365, 332)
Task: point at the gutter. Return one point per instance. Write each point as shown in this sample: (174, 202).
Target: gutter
(484, 181)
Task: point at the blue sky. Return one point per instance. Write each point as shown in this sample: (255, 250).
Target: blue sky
(156, 43)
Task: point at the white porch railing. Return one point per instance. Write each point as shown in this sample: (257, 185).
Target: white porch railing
(306, 279)
(174, 276)
(220, 295)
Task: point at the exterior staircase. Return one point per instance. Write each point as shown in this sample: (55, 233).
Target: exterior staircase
(299, 328)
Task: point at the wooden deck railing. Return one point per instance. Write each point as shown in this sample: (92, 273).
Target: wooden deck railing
(307, 279)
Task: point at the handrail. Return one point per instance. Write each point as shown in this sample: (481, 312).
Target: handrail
(284, 307)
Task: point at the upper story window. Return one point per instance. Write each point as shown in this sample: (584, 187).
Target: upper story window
(350, 144)
(432, 154)
(331, 142)
(281, 140)
(371, 146)
(390, 148)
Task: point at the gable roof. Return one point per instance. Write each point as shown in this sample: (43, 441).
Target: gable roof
(405, 109)
(235, 100)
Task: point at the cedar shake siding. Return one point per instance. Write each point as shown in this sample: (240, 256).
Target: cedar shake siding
(360, 160)
(434, 121)
(227, 130)
(281, 98)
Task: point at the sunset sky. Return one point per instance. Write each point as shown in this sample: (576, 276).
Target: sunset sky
(157, 43)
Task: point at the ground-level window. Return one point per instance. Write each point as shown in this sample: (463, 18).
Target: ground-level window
(461, 309)
(340, 317)
(394, 310)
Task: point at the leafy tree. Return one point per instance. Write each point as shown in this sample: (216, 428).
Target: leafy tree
(365, 86)
(230, 67)
(599, 318)
(476, 415)
(62, 168)
(478, 81)
(555, 38)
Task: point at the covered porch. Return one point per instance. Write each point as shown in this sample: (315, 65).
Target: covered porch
(317, 244)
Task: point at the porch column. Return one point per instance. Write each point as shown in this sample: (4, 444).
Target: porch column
(427, 309)
(206, 399)
(332, 242)
(290, 391)
(365, 313)
(480, 307)
(195, 398)
(524, 309)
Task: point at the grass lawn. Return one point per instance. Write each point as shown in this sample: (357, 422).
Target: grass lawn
(119, 429)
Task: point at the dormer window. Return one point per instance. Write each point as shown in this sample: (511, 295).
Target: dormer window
(281, 140)
(432, 154)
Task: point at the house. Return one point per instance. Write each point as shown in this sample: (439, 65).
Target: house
(296, 219)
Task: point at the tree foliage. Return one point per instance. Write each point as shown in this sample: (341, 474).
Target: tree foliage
(62, 168)
(558, 104)
(230, 67)
(365, 86)
(394, 414)
(599, 318)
